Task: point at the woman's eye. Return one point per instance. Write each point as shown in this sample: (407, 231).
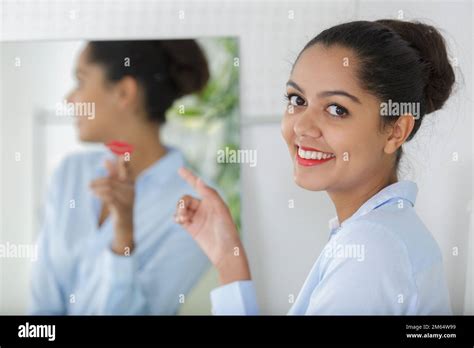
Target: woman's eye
(295, 100)
(337, 110)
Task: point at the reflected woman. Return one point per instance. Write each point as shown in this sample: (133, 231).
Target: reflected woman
(108, 244)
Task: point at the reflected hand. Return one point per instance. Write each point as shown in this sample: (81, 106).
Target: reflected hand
(117, 192)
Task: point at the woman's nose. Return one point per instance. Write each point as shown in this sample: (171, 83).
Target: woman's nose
(306, 124)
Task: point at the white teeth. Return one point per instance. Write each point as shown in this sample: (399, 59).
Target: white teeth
(314, 154)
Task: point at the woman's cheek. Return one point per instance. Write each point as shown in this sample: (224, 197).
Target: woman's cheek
(354, 156)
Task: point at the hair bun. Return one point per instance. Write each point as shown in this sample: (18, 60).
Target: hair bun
(439, 74)
(187, 65)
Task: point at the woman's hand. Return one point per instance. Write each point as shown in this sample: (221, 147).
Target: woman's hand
(117, 192)
(210, 223)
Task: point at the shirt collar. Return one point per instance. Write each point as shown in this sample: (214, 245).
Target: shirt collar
(404, 189)
(160, 171)
(165, 168)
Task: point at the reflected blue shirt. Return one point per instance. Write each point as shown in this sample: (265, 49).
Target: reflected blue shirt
(381, 260)
(76, 271)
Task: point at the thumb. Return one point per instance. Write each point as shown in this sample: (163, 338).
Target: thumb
(123, 169)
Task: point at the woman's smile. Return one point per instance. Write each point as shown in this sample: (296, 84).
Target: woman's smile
(308, 157)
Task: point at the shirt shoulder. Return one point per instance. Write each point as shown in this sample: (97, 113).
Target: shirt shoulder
(400, 225)
(80, 160)
(391, 250)
(76, 167)
(368, 242)
(363, 269)
(73, 170)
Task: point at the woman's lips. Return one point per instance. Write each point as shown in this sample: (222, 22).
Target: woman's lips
(316, 156)
(119, 147)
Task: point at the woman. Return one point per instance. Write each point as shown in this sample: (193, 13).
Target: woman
(343, 140)
(108, 245)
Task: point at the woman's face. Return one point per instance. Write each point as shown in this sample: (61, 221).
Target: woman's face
(328, 111)
(95, 93)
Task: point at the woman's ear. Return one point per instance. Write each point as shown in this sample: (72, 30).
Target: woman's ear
(400, 131)
(127, 92)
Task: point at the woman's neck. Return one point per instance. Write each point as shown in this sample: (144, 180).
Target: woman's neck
(145, 154)
(347, 202)
(147, 148)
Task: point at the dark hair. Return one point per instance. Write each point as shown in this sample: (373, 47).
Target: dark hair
(398, 61)
(165, 69)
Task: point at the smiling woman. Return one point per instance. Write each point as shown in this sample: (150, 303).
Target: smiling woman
(341, 142)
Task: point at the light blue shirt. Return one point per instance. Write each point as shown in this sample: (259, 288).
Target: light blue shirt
(76, 271)
(381, 260)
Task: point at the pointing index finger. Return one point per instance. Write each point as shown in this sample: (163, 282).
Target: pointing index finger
(188, 176)
(196, 183)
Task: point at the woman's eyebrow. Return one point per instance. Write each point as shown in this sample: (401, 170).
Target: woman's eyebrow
(339, 92)
(326, 93)
(295, 86)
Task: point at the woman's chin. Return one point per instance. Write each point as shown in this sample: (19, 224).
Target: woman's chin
(309, 182)
(86, 137)
(81, 135)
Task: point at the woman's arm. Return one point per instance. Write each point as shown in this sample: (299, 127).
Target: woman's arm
(209, 222)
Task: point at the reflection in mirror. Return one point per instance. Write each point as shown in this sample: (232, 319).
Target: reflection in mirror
(96, 232)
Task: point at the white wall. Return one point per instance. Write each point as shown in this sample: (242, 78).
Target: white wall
(282, 243)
